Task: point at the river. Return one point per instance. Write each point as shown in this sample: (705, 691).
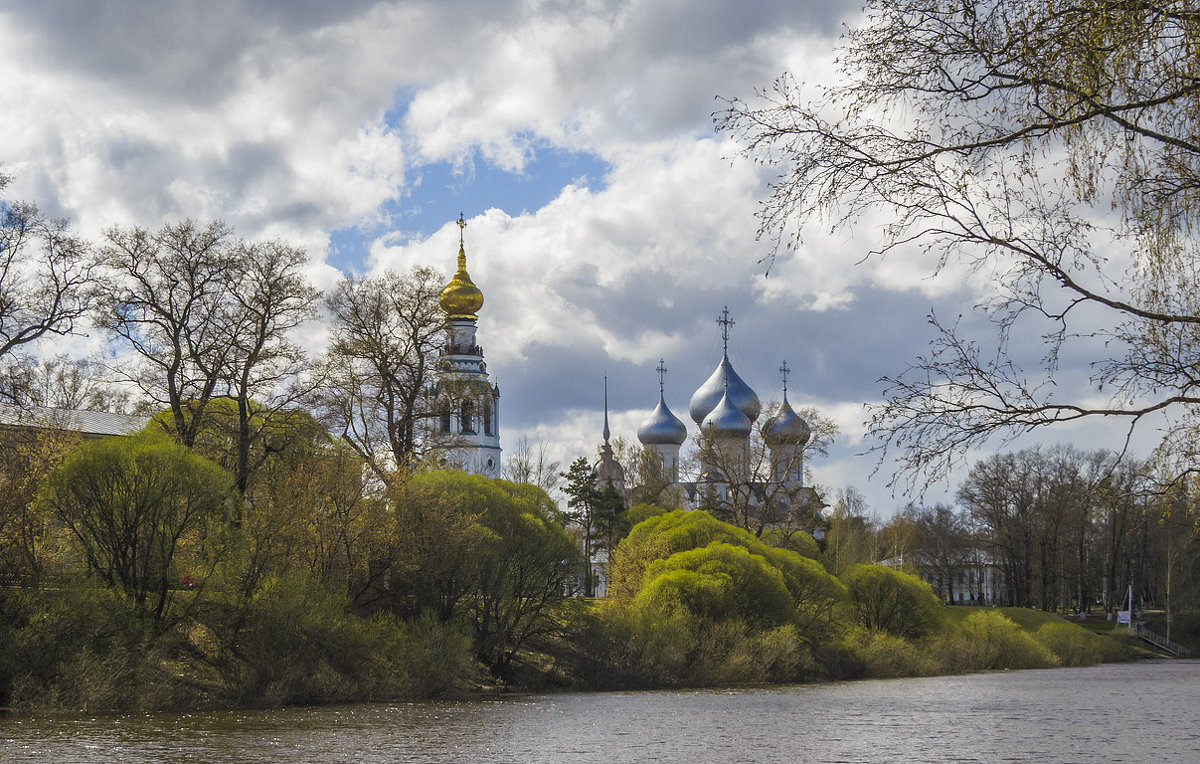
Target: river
(1145, 711)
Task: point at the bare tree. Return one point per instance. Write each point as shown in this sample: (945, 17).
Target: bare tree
(168, 299)
(387, 332)
(268, 300)
(62, 382)
(532, 464)
(47, 280)
(1001, 136)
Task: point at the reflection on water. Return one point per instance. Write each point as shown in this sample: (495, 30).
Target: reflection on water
(1129, 712)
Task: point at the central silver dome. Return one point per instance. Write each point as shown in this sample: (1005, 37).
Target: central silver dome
(724, 382)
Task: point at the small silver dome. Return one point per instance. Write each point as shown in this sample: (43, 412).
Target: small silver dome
(662, 427)
(726, 422)
(786, 427)
(724, 382)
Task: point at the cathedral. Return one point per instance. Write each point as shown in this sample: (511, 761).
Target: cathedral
(467, 422)
(751, 481)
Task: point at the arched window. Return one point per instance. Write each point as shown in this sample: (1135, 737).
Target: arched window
(445, 418)
(487, 417)
(467, 418)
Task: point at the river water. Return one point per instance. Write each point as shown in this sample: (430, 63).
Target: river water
(1146, 711)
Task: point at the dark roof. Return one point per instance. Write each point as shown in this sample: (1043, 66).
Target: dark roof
(90, 424)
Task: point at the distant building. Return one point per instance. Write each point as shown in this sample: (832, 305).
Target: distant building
(91, 425)
(972, 578)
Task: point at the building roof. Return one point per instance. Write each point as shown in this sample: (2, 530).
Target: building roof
(90, 424)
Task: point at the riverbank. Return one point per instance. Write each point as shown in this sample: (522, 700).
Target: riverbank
(78, 652)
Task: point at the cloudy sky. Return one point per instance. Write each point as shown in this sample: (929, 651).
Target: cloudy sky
(608, 223)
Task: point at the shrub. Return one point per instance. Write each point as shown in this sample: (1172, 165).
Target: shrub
(1003, 644)
(718, 582)
(84, 649)
(862, 652)
(891, 601)
(1072, 644)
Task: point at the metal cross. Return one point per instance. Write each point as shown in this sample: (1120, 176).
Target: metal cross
(462, 224)
(726, 323)
(784, 371)
(662, 374)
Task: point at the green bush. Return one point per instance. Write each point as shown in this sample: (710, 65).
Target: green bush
(861, 652)
(718, 582)
(1072, 644)
(85, 649)
(888, 600)
(1003, 644)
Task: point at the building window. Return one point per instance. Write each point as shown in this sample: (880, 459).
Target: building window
(445, 419)
(467, 418)
(487, 417)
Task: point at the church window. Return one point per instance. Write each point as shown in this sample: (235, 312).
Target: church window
(445, 419)
(487, 418)
(467, 418)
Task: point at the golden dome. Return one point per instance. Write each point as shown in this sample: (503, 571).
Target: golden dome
(461, 297)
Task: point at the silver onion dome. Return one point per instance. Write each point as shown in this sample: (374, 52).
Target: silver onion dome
(726, 421)
(724, 382)
(662, 427)
(786, 427)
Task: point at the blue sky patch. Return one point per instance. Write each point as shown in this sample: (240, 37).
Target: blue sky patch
(439, 191)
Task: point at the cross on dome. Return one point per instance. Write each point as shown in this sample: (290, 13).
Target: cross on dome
(662, 374)
(784, 371)
(726, 323)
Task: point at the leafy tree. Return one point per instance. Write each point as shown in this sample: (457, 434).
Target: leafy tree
(1049, 145)
(853, 535)
(386, 334)
(812, 591)
(145, 511)
(211, 317)
(582, 498)
(47, 281)
(27, 458)
(891, 601)
(718, 582)
(526, 564)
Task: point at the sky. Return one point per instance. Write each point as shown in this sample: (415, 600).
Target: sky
(608, 223)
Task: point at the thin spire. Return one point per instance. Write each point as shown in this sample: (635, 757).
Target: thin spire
(606, 431)
(726, 323)
(662, 376)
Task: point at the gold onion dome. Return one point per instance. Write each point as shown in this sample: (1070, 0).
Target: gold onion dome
(461, 297)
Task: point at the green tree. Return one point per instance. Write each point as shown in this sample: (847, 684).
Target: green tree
(582, 498)
(1051, 146)
(145, 511)
(526, 564)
